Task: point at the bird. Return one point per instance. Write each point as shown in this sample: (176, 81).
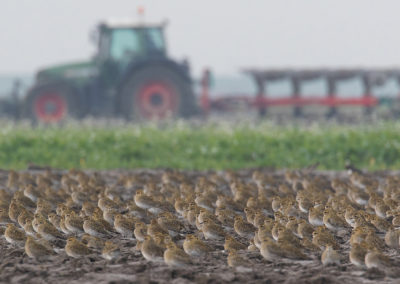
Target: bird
(35, 249)
(358, 235)
(273, 251)
(304, 204)
(350, 215)
(154, 228)
(105, 203)
(322, 238)
(357, 254)
(23, 216)
(259, 218)
(243, 228)
(24, 201)
(171, 224)
(76, 249)
(14, 236)
(43, 206)
(276, 203)
(275, 230)
(212, 231)
(191, 213)
(109, 215)
(124, 226)
(62, 209)
(380, 224)
(63, 227)
(4, 217)
(293, 224)
(377, 259)
(136, 211)
(98, 217)
(13, 179)
(93, 242)
(94, 228)
(304, 229)
(224, 217)
(252, 246)
(330, 256)
(14, 210)
(28, 228)
(250, 214)
(140, 231)
(88, 208)
(55, 220)
(161, 240)
(193, 246)
(204, 202)
(143, 201)
(174, 256)
(151, 251)
(232, 244)
(79, 197)
(381, 209)
(110, 251)
(74, 223)
(315, 216)
(333, 222)
(265, 230)
(374, 241)
(308, 245)
(287, 236)
(235, 260)
(49, 232)
(204, 214)
(180, 205)
(392, 238)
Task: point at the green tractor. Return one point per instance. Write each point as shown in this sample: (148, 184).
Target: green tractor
(131, 76)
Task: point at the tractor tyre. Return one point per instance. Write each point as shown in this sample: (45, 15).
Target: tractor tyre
(51, 104)
(156, 92)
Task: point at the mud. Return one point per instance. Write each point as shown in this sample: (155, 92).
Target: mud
(131, 267)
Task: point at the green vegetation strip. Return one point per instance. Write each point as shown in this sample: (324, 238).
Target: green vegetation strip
(210, 146)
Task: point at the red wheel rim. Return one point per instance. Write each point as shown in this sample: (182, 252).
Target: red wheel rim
(50, 107)
(157, 100)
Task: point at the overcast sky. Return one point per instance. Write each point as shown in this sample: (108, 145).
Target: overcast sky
(224, 34)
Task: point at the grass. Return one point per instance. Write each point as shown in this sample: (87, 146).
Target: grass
(210, 146)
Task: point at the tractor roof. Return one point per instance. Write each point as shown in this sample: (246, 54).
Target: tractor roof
(129, 23)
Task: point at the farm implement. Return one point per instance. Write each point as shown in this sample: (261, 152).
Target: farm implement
(332, 78)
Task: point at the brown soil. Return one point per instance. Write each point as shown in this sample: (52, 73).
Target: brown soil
(131, 267)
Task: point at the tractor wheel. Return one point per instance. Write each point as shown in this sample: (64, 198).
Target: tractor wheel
(50, 104)
(156, 93)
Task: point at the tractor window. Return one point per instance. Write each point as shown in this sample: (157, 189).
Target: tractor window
(125, 44)
(154, 39)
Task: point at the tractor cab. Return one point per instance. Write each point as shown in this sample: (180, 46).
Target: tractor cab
(123, 42)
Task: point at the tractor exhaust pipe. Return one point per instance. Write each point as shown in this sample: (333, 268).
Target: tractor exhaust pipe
(15, 96)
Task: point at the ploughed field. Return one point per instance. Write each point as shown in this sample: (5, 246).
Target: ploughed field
(165, 226)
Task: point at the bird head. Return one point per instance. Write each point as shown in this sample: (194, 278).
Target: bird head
(190, 237)
(71, 239)
(118, 217)
(170, 245)
(238, 218)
